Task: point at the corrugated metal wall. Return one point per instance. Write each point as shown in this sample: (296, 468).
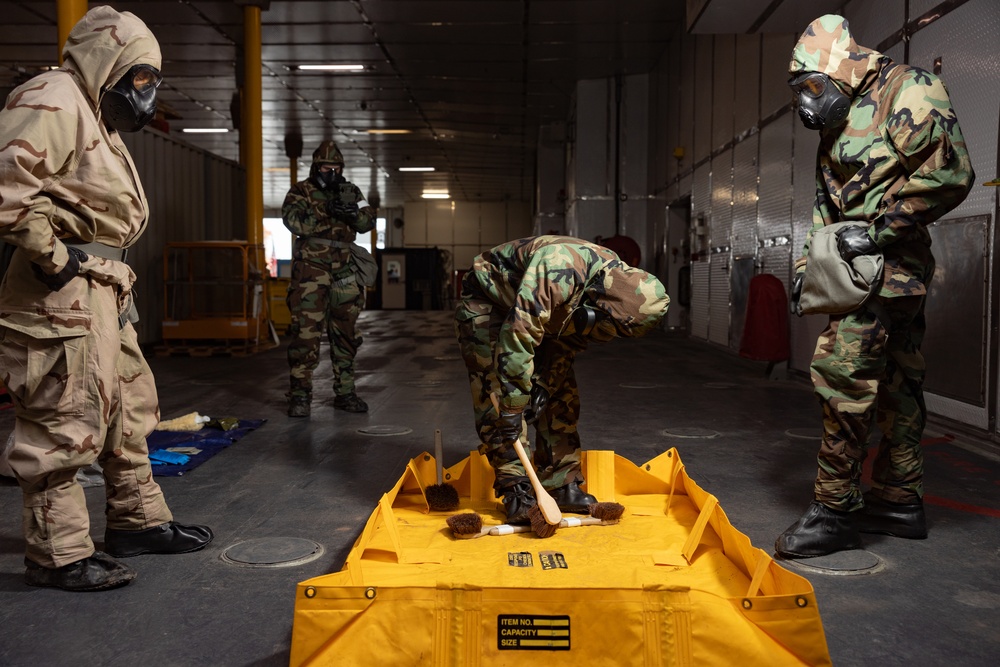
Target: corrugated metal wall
(193, 196)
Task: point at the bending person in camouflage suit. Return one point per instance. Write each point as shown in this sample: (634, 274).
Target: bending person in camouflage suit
(325, 212)
(70, 201)
(892, 155)
(527, 308)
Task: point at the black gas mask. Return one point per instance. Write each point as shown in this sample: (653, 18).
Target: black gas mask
(329, 179)
(820, 102)
(591, 323)
(131, 102)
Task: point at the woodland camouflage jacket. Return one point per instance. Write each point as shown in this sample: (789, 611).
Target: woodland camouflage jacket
(539, 281)
(899, 161)
(305, 213)
(63, 175)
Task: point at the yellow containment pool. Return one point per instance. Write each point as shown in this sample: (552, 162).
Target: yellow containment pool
(672, 584)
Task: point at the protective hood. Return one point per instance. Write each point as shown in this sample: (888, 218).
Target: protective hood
(635, 300)
(104, 45)
(827, 47)
(326, 153)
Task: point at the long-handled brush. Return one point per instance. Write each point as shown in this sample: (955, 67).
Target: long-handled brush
(440, 497)
(544, 515)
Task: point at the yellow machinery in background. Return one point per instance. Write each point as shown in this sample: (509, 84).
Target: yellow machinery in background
(214, 291)
(672, 583)
(277, 291)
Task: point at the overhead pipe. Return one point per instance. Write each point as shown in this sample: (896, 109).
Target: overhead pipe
(69, 13)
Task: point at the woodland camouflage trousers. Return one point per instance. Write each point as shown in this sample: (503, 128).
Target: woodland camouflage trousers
(320, 302)
(863, 371)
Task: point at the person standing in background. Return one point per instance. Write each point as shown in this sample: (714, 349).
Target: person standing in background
(326, 213)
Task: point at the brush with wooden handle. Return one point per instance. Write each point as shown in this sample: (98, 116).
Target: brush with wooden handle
(440, 497)
(544, 515)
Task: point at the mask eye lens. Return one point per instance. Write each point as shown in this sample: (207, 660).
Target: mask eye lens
(144, 79)
(812, 85)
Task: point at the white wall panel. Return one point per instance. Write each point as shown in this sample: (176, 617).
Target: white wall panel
(719, 312)
(466, 224)
(666, 120)
(518, 219)
(959, 39)
(415, 224)
(776, 53)
(594, 124)
(688, 103)
(703, 97)
(744, 236)
(805, 146)
(775, 206)
(746, 95)
(699, 300)
(722, 199)
(493, 223)
(441, 222)
(723, 89)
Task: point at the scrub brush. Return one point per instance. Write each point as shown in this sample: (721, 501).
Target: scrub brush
(606, 511)
(440, 497)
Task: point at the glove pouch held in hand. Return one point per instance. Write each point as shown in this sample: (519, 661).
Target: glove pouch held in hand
(833, 286)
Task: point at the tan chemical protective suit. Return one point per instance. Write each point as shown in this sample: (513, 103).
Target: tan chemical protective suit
(81, 388)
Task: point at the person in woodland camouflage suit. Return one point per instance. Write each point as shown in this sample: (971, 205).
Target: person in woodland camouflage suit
(527, 307)
(325, 212)
(891, 155)
(70, 201)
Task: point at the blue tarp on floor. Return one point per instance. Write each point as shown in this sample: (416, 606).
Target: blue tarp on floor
(209, 440)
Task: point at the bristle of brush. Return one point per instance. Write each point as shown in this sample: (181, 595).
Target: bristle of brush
(539, 525)
(606, 511)
(468, 523)
(441, 497)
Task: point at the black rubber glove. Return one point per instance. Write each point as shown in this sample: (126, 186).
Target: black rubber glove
(342, 212)
(796, 293)
(507, 428)
(854, 241)
(56, 281)
(536, 406)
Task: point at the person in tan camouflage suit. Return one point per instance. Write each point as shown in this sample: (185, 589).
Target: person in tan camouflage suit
(326, 213)
(527, 307)
(891, 155)
(70, 201)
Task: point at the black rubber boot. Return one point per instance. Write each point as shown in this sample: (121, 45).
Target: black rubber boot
(350, 403)
(97, 572)
(896, 519)
(820, 531)
(518, 499)
(299, 406)
(572, 499)
(167, 538)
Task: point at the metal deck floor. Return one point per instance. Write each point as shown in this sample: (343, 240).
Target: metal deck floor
(933, 602)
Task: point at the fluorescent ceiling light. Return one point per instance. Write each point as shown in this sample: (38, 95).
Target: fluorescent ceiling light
(332, 68)
(376, 131)
(205, 130)
(416, 169)
(435, 195)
